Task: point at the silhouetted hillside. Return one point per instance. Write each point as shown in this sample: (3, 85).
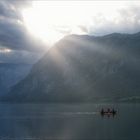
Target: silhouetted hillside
(85, 68)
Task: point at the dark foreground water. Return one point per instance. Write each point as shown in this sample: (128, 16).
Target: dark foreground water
(68, 122)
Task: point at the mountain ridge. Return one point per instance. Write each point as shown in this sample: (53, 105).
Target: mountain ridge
(82, 69)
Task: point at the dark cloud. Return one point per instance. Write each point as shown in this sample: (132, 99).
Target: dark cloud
(22, 57)
(13, 34)
(83, 29)
(11, 8)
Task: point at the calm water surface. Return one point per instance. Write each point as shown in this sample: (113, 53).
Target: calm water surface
(68, 122)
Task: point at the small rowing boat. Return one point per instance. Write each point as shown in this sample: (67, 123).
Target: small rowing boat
(108, 112)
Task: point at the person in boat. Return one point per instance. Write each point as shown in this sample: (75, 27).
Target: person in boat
(102, 111)
(113, 111)
(108, 110)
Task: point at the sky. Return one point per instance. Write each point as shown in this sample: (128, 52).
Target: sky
(28, 28)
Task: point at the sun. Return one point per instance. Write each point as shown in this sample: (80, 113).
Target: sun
(39, 21)
(51, 20)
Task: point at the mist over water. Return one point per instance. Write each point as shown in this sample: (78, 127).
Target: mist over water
(68, 122)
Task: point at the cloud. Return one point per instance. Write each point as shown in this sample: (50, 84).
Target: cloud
(100, 19)
(16, 44)
(13, 33)
(125, 19)
(19, 56)
(11, 8)
(15, 36)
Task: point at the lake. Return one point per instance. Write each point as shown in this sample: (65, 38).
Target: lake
(68, 122)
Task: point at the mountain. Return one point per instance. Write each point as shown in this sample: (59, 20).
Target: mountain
(11, 74)
(84, 69)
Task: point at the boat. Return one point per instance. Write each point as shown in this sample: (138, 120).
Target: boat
(108, 112)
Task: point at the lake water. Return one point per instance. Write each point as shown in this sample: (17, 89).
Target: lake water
(68, 122)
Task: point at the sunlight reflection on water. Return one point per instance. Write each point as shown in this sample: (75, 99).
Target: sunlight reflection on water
(68, 122)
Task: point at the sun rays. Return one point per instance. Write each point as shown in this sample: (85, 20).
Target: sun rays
(52, 20)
